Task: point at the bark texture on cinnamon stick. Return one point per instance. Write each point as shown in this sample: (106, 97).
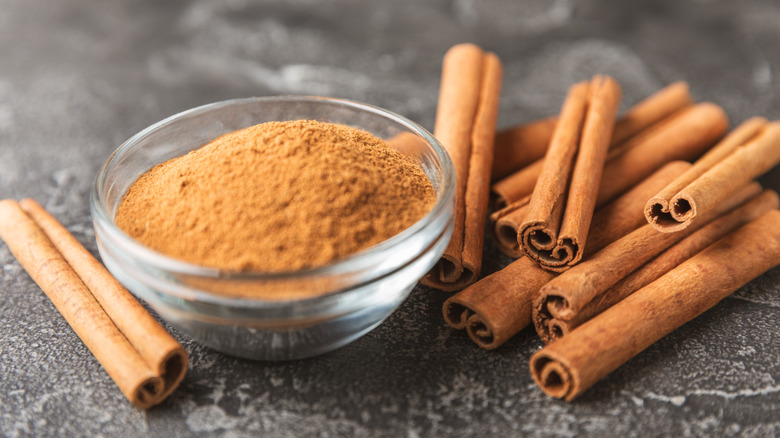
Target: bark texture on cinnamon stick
(465, 125)
(146, 363)
(565, 296)
(523, 147)
(498, 306)
(569, 366)
(561, 207)
(663, 263)
(683, 136)
(749, 151)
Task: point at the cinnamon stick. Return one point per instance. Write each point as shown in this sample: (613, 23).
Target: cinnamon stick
(498, 306)
(749, 151)
(565, 296)
(684, 136)
(572, 364)
(521, 145)
(652, 270)
(516, 186)
(504, 225)
(561, 207)
(516, 146)
(621, 213)
(465, 125)
(146, 363)
(652, 110)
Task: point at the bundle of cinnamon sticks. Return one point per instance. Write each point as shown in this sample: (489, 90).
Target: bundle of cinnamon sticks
(624, 227)
(146, 363)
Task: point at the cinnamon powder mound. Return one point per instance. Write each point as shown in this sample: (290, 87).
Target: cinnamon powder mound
(278, 196)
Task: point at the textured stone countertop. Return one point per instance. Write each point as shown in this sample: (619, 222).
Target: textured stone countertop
(77, 78)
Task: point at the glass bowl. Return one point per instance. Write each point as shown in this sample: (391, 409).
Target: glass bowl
(353, 295)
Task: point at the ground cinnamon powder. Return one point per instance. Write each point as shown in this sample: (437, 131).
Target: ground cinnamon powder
(278, 196)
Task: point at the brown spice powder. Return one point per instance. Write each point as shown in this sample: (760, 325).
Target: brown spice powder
(278, 196)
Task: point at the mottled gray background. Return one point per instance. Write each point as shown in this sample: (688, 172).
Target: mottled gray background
(77, 78)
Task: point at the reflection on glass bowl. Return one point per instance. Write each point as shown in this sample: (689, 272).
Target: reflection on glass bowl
(344, 300)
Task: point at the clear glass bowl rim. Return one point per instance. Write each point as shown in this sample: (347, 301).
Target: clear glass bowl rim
(345, 266)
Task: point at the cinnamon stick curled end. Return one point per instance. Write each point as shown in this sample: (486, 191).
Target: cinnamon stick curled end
(551, 314)
(561, 207)
(541, 245)
(482, 333)
(747, 152)
(450, 274)
(504, 224)
(170, 373)
(458, 315)
(157, 388)
(495, 308)
(670, 215)
(554, 376)
(506, 239)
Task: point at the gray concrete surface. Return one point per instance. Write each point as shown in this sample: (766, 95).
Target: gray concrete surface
(77, 78)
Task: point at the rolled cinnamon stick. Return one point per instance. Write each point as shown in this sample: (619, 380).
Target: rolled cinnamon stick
(521, 145)
(465, 125)
(516, 146)
(516, 186)
(146, 363)
(663, 263)
(684, 136)
(498, 306)
(572, 364)
(565, 296)
(749, 151)
(555, 229)
(621, 213)
(504, 225)
(506, 222)
(651, 110)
